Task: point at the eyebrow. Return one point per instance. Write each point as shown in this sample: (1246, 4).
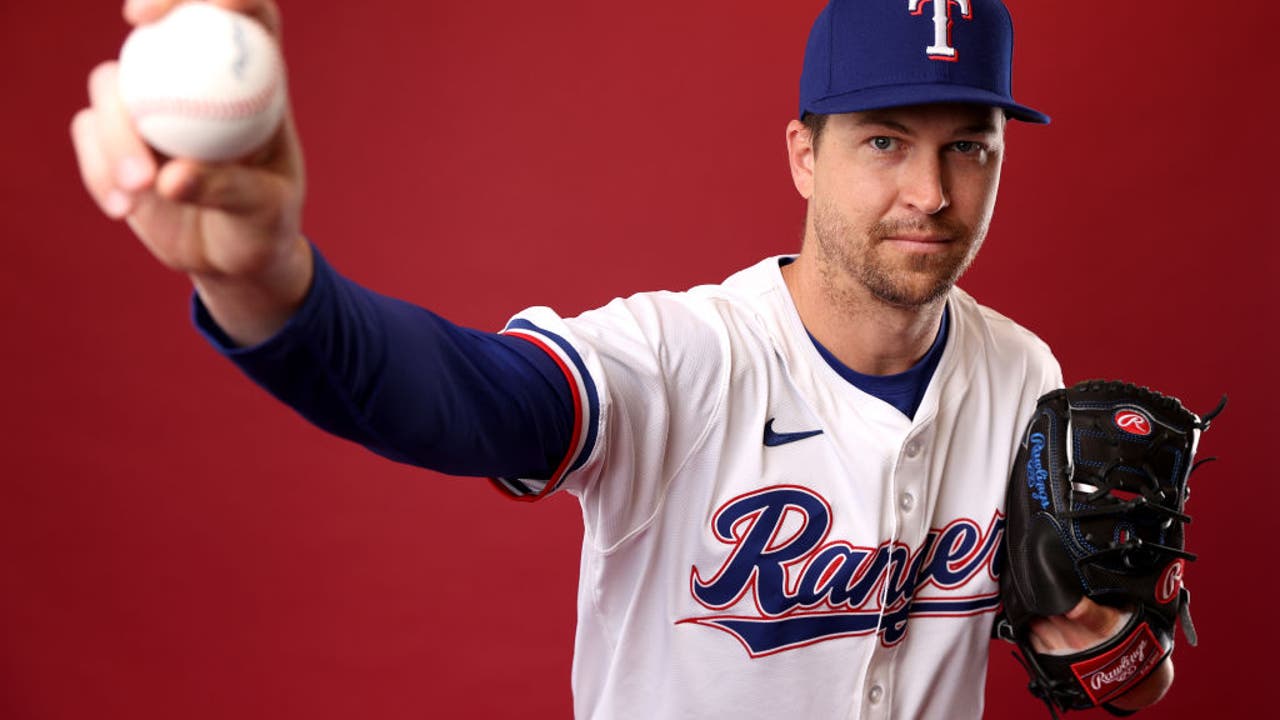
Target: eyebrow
(980, 128)
(873, 121)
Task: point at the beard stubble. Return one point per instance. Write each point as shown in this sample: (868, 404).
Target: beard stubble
(903, 280)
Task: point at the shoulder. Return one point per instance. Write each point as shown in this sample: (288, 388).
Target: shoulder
(994, 327)
(701, 319)
(1005, 344)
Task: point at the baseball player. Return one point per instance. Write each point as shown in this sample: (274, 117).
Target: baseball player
(792, 482)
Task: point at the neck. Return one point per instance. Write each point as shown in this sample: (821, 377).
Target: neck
(864, 332)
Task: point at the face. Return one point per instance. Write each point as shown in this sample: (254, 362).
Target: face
(900, 200)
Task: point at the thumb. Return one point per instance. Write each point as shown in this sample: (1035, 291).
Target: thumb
(1086, 625)
(1102, 620)
(233, 189)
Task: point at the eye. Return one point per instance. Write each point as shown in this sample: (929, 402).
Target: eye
(967, 147)
(882, 143)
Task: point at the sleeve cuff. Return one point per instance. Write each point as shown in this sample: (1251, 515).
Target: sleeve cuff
(586, 411)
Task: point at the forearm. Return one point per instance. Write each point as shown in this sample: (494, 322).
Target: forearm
(408, 384)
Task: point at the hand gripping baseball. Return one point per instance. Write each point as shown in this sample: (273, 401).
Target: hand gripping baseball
(1096, 510)
(234, 227)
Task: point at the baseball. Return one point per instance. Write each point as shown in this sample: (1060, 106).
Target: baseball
(203, 83)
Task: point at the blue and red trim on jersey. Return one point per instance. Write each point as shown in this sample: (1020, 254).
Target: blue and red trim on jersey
(586, 410)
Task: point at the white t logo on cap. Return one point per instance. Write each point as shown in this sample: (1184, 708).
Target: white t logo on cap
(941, 48)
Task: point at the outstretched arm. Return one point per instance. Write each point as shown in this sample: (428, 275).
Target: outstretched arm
(410, 385)
(393, 377)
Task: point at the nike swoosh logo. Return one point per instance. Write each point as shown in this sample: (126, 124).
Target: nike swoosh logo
(774, 439)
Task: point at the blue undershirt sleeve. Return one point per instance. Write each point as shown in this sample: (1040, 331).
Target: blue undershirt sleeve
(410, 385)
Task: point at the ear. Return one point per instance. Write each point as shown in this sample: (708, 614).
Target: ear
(800, 154)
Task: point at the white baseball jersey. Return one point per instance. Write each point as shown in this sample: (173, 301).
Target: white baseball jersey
(765, 540)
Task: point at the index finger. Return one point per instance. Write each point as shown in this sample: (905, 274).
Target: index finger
(127, 158)
(137, 12)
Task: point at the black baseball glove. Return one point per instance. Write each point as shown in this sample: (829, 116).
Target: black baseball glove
(1095, 508)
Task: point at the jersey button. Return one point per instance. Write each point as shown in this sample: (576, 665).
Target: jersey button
(875, 694)
(913, 448)
(907, 502)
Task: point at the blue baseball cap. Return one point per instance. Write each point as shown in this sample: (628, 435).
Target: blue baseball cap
(873, 54)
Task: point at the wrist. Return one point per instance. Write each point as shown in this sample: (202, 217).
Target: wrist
(252, 307)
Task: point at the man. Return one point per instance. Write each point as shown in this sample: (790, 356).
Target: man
(792, 482)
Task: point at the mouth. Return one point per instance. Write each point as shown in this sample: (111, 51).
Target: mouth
(920, 243)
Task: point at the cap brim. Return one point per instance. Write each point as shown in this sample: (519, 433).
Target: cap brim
(921, 94)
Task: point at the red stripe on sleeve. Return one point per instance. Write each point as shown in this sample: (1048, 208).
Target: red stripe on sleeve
(575, 438)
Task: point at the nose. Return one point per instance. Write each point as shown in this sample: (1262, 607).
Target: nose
(923, 185)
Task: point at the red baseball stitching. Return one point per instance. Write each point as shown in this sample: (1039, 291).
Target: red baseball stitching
(212, 109)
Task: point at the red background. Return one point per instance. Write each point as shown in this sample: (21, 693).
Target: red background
(173, 544)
